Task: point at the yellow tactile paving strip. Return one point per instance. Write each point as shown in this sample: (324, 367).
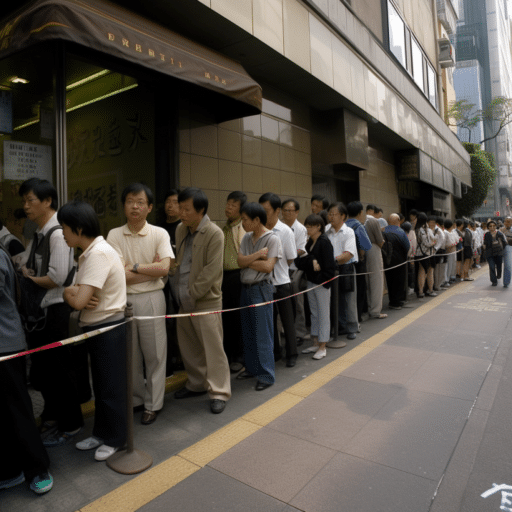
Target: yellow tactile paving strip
(155, 481)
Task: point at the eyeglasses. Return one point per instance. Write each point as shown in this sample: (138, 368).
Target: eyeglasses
(139, 204)
(289, 211)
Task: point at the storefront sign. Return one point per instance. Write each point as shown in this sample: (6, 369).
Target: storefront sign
(5, 112)
(25, 160)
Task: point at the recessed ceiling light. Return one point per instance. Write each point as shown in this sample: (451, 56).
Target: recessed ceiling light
(18, 80)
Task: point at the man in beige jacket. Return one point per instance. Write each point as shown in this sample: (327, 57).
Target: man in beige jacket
(199, 247)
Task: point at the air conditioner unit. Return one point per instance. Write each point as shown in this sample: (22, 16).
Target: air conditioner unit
(446, 53)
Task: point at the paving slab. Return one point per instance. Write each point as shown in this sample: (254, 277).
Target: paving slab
(336, 412)
(209, 491)
(414, 432)
(450, 375)
(275, 463)
(351, 484)
(389, 364)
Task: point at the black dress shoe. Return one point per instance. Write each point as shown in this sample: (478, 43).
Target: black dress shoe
(187, 393)
(260, 386)
(244, 375)
(149, 417)
(351, 336)
(217, 406)
(290, 361)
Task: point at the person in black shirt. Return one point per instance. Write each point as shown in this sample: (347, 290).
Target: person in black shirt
(170, 221)
(319, 266)
(172, 216)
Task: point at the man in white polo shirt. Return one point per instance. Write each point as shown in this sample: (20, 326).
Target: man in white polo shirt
(281, 279)
(146, 253)
(290, 210)
(343, 241)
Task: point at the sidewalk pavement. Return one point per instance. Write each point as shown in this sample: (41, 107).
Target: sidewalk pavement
(405, 420)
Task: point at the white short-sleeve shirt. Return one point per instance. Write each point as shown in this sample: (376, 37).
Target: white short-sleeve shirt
(301, 237)
(343, 240)
(281, 274)
(100, 266)
(142, 248)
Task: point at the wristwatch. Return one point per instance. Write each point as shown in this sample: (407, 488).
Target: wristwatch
(135, 268)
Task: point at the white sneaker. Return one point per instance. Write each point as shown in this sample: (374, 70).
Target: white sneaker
(89, 443)
(320, 353)
(104, 452)
(310, 350)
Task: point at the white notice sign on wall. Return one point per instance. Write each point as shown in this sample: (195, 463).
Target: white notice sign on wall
(24, 160)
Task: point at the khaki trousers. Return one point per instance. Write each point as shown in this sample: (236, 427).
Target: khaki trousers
(150, 348)
(200, 340)
(375, 280)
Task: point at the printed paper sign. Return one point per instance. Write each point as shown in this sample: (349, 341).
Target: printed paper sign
(24, 160)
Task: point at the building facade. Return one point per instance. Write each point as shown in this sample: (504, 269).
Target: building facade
(296, 97)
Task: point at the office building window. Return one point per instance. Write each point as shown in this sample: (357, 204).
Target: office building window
(396, 34)
(417, 64)
(432, 85)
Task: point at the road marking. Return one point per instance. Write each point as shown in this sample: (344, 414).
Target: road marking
(155, 481)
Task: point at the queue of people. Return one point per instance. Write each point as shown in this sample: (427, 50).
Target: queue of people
(189, 265)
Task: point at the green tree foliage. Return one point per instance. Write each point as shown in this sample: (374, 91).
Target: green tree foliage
(463, 115)
(483, 175)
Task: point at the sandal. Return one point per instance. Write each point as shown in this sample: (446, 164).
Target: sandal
(104, 452)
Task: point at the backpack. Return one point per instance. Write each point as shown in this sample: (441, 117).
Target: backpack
(387, 251)
(33, 316)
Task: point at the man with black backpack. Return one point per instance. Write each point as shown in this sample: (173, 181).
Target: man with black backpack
(47, 267)
(396, 270)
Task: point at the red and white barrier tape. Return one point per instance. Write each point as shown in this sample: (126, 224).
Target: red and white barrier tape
(91, 334)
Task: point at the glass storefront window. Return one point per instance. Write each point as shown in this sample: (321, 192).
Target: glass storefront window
(27, 131)
(110, 138)
(396, 34)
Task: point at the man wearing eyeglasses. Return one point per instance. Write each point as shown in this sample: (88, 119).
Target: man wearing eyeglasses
(146, 253)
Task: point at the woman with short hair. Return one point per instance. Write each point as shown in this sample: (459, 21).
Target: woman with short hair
(100, 296)
(425, 250)
(319, 265)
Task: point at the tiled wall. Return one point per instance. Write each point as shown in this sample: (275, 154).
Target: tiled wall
(257, 154)
(374, 82)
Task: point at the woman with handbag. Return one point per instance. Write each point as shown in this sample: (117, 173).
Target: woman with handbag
(319, 266)
(100, 296)
(494, 242)
(426, 242)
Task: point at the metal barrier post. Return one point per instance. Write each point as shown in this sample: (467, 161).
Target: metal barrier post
(335, 343)
(129, 461)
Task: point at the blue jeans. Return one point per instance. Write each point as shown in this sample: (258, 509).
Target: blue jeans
(258, 331)
(494, 268)
(507, 264)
